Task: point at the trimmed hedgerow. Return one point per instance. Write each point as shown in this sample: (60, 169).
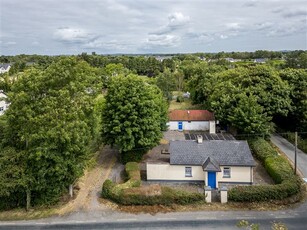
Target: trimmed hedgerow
(168, 196)
(130, 192)
(287, 184)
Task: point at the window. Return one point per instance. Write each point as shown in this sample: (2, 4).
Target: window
(226, 172)
(188, 171)
(189, 121)
(1, 108)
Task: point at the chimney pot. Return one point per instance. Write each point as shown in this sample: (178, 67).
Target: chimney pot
(199, 139)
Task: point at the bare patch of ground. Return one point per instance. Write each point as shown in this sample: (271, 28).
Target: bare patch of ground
(260, 174)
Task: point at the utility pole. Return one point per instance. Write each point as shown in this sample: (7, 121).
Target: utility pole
(295, 154)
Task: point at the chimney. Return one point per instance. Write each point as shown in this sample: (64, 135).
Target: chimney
(199, 139)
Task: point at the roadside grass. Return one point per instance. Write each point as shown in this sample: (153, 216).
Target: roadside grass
(22, 214)
(66, 204)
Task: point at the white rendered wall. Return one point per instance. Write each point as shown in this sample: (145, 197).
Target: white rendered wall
(193, 125)
(165, 171)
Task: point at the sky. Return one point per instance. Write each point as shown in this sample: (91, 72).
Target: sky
(56, 27)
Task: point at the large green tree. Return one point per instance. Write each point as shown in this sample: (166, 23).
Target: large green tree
(51, 121)
(134, 114)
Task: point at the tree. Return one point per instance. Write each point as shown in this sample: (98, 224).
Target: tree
(134, 114)
(248, 116)
(297, 117)
(167, 83)
(51, 121)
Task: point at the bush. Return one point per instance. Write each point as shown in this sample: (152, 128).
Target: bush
(261, 149)
(130, 192)
(132, 156)
(179, 99)
(107, 187)
(278, 168)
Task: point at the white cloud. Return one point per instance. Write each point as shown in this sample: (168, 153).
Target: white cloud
(233, 26)
(178, 19)
(222, 36)
(72, 35)
(166, 40)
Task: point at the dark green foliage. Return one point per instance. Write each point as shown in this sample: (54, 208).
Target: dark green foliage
(179, 99)
(265, 192)
(278, 168)
(134, 115)
(167, 83)
(107, 187)
(262, 149)
(296, 120)
(132, 155)
(51, 123)
(246, 98)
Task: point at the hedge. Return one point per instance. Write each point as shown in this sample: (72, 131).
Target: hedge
(287, 184)
(130, 192)
(168, 196)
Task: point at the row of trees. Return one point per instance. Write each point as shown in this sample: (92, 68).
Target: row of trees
(58, 116)
(251, 98)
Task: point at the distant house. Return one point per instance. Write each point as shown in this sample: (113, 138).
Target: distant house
(4, 68)
(191, 120)
(232, 59)
(214, 162)
(3, 102)
(260, 60)
(186, 95)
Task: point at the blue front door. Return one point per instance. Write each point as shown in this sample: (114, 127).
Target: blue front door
(212, 179)
(180, 126)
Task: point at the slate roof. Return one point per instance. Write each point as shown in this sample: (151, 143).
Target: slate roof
(191, 115)
(4, 66)
(211, 165)
(230, 153)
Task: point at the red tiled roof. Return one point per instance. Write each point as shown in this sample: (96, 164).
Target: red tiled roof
(190, 115)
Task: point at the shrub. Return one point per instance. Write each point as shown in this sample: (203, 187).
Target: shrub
(261, 148)
(107, 187)
(278, 168)
(130, 192)
(179, 99)
(132, 156)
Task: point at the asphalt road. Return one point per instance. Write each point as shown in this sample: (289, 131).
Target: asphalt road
(295, 218)
(287, 148)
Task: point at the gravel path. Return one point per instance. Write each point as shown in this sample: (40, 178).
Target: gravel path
(90, 184)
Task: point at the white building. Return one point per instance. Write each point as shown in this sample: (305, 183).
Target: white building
(4, 68)
(191, 120)
(3, 103)
(214, 162)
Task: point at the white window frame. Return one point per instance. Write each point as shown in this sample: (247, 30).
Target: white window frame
(188, 171)
(226, 172)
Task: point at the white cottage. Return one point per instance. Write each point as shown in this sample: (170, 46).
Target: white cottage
(4, 68)
(191, 120)
(3, 103)
(214, 162)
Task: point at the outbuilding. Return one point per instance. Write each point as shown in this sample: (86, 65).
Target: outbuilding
(191, 120)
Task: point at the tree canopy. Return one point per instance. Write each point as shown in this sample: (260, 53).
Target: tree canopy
(134, 114)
